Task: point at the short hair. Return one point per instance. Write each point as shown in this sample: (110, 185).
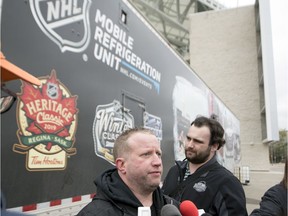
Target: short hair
(121, 146)
(216, 130)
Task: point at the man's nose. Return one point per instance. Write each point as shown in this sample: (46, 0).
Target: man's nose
(190, 143)
(157, 160)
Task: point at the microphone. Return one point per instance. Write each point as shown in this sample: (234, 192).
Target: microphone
(201, 212)
(188, 208)
(170, 210)
(144, 211)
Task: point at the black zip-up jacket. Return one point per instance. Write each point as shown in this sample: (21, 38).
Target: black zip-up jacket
(216, 189)
(114, 198)
(273, 203)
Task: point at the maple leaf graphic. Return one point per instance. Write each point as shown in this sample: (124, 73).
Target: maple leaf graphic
(47, 110)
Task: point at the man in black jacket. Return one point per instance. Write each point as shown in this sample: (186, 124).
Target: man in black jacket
(135, 180)
(200, 178)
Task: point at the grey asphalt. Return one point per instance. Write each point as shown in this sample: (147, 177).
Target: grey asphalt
(261, 181)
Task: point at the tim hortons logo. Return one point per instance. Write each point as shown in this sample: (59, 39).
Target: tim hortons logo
(47, 122)
(65, 22)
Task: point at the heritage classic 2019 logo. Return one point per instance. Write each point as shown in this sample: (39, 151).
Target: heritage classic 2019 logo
(47, 122)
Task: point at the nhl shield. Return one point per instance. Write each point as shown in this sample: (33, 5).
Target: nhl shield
(66, 23)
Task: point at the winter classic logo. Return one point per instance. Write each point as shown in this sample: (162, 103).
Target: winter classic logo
(110, 121)
(65, 22)
(47, 121)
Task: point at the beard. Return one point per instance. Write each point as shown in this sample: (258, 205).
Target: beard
(197, 157)
(147, 185)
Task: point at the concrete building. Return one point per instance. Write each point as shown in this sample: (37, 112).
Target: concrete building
(231, 50)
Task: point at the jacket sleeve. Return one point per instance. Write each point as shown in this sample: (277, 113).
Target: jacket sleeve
(273, 203)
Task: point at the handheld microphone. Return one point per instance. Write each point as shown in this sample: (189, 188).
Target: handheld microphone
(144, 211)
(170, 210)
(201, 212)
(188, 208)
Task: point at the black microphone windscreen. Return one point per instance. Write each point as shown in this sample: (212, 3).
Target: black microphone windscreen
(170, 210)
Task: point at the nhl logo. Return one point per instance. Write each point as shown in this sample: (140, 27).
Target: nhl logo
(66, 23)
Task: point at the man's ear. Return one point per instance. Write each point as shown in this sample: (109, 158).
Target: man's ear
(215, 147)
(120, 165)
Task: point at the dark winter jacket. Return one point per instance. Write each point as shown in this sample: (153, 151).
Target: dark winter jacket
(273, 203)
(212, 187)
(114, 198)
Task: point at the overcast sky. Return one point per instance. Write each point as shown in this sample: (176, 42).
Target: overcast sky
(279, 17)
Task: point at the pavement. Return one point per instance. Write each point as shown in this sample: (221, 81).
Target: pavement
(260, 182)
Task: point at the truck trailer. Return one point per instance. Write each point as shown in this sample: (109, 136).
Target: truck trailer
(103, 69)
